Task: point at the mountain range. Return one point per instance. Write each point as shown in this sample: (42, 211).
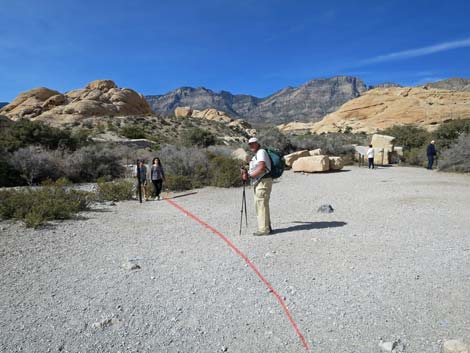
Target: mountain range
(308, 102)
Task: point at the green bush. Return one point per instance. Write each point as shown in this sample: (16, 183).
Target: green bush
(198, 137)
(37, 206)
(446, 134)
(408, 136)
(178, 182)
(16, 135)
(224, 172)
(116, 190)
(415, 156)
(133, 132)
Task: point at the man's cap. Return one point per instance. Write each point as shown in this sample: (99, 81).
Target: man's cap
(253, 140)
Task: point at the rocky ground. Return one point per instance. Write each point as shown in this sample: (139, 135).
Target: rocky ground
(392, 263)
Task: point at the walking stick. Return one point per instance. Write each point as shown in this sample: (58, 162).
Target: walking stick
(243, 209)
(139, 184)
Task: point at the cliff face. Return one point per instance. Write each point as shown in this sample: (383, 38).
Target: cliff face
(384, 107)
(308, 102)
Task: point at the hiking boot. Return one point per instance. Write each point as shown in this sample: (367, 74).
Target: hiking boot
(258, 233)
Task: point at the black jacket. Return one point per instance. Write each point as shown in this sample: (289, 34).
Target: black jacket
(431, 150)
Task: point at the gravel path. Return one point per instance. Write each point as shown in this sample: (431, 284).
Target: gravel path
(392, 262)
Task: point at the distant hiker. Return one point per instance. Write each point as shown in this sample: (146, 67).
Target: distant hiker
(157, 175)
(260, 166)
(141, 171)
(370, 157)
(431, 153)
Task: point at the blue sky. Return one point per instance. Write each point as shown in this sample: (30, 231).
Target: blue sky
(243, 46)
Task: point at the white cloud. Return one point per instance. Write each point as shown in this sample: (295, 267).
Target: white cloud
(419, 51)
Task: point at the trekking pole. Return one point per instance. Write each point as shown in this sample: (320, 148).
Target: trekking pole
(242, 209)
(139, 184)
(244, 201)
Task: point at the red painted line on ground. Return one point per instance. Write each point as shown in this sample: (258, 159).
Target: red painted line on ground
(252, 266)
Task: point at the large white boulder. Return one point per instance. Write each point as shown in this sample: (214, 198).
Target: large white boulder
(291, 158)
(312, 164)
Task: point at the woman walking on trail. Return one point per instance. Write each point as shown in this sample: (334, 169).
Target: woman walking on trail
(158, 176)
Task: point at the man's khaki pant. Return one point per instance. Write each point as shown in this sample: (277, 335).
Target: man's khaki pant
(262, 194)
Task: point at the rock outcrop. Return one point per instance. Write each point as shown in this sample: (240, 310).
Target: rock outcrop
(308, 102)
(215, 115)
(381, 108)
(98, 98)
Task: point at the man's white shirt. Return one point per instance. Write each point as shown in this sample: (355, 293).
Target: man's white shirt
(260, 156)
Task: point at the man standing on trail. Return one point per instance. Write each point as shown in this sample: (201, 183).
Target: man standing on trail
(260, 166)
(431, 152)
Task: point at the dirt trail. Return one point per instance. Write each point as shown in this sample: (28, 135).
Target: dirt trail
(392, 262)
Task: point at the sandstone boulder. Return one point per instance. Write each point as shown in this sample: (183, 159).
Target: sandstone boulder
(312, 164)
(291, 158)
(99, 98)
(212, 114)
(54, 101)
(316, 152)
(183, 112)
(336, 163)
(102, 85)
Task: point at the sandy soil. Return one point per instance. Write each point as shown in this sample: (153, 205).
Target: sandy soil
(392, 262)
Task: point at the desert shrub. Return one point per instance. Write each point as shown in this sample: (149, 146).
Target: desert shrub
(115, 190)
(133, 132)
(92, 162)
(446, 134)
(37, 206)
(178, 182)
(224, 172)
(35, 165)
(198, 137)
(415, 156)
(24, 132)
(273, 138)
(457, 157)
(408, 136)
(220, 150)
(189, 162)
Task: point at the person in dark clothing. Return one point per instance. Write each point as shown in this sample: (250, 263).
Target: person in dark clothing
(157, 175)
(431, 153)
(141, 171)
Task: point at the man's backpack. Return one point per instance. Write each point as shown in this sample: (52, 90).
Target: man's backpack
(277, 163)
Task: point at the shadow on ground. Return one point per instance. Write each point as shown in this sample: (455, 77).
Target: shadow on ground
(309, 226)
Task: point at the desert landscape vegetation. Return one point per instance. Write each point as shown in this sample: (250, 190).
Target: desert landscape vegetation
(359, 260)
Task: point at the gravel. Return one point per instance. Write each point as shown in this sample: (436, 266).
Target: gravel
(391, 264)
